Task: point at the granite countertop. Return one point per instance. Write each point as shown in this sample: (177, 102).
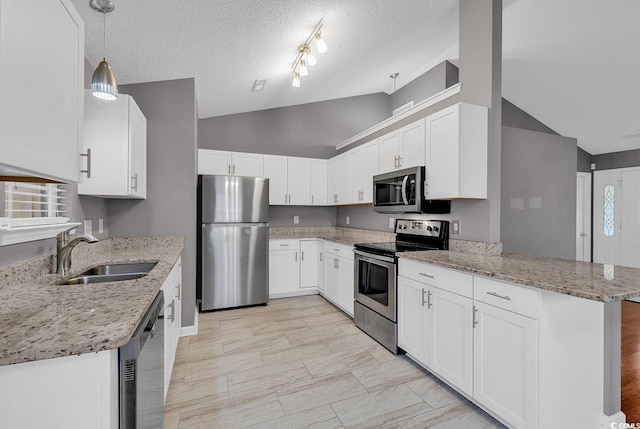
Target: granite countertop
(598, 282)
(40, 319)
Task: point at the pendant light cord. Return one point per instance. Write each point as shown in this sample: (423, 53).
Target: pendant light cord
(104, 36)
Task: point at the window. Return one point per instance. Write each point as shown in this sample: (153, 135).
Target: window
(29, 204)
(609, 201)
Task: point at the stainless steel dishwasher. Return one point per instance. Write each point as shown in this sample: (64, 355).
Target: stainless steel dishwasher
(141, 372)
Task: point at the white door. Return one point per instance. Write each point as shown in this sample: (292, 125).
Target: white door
(606, 217)
(214, 162)
(284, 271)
(630, 219)
(389, 152)
(370, 169)
(138, 151)
(412, 144)
(299, 181)
(333, 178)
(583, 217)
(332, 277)
(413, 319)
(451, 338)
(346, 285)
(275, 169)
(344, 184)
(318, 169)
(247, 164)
(309, 263)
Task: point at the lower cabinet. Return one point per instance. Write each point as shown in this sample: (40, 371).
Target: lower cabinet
(339, 274)
(311, 263)
(172, 289)
(284, 267)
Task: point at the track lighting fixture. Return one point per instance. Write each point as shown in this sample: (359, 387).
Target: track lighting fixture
(305, 56)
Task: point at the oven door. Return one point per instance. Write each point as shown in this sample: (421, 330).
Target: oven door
(375, 283)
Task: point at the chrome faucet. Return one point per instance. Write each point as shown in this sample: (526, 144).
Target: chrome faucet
(65, 247)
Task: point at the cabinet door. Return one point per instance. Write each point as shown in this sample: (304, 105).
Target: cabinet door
(41, 111)
(247, 164)
(451, 338)
(309, 263)
(412, 144)
(443, 167)
(506, 365)
(138, 151)
(332, 277)
(413, 319)
(389, 151)
(369, 169)
(333, 180)
(284, 271)
(214, 162)
(321, 265)
(345, 179)
(346, 284)
(299, 181)
(356, 164)
(319, 183)
(275, 169)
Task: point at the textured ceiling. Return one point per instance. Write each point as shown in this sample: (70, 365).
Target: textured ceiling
(573, 64)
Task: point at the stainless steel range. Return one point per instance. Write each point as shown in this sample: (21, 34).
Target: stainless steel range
(376, 271)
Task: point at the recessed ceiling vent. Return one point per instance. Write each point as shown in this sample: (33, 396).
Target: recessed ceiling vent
(258, 85)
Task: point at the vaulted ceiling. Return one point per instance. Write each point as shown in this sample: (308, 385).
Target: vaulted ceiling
(573, 64)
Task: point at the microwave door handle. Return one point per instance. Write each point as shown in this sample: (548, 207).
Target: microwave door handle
(404, 190)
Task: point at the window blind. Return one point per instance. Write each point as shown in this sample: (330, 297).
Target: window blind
(28, 204)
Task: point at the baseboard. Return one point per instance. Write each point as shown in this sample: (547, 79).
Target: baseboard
(310, 291)
(187, 331)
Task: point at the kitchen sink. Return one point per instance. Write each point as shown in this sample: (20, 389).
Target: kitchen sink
(112, 273)
(142, 267)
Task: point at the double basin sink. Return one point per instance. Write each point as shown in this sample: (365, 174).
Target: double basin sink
(112, 273)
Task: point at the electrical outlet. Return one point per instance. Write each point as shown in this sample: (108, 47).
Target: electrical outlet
(392, 223)
(296, 220)
(100, 226)
(347, 220)
(455, 227)
(88, 229)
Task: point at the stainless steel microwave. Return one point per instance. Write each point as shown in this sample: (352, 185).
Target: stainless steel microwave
(402, 191)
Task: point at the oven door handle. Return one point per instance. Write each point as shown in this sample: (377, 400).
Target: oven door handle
(373, 258)
(404, 190)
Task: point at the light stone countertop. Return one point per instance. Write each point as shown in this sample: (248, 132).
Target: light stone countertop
(596, 282)
(40, 319)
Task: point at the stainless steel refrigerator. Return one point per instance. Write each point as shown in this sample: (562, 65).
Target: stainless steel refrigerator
(233, 241)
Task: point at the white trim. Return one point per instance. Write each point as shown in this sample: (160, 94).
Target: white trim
(32, 233)
(307, 291)
(187, 331)
(442, 95)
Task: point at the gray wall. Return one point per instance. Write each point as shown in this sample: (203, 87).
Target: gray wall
(538, 165)
(585, 160)
(433, 81)
(308, 130)
(515, 117)
(308, 216)
(624, 159)
(170, 207)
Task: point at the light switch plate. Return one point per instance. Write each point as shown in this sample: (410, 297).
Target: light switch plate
(100, 226)
(392, 223)
(296, 220)
(455, 227)
(347, 220)
(88, 228)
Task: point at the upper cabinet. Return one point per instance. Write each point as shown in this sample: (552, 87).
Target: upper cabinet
(116, 145)
(403, 148)
(41, 112)
(363, 165)
(457, 145)
(230, 163)
(318, 182)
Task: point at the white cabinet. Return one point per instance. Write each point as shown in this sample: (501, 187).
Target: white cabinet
(41, 111)
(311, 263)
(363, 165)
(289, 180)
(319, 183)
(72, 392)
(115, 134)
(339, 179)
(284, 267)
(333, 180)
(435, 326)
(457, 142)
(403, 148)
(230, 163)
(172, 291)
(339, 274)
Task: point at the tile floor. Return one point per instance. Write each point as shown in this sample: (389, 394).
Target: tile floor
(301, 363)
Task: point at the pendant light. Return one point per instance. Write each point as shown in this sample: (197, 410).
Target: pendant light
(103, 82)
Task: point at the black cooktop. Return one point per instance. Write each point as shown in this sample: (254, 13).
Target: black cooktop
(412, 236)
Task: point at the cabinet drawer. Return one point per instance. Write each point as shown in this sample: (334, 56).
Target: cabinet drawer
(442, 278)
(339, 249)
(286, 244)
(508, 296)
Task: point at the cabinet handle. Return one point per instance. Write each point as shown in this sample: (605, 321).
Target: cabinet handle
(284, 245)
(335, 263)
(426, 189)
(337, 250)
(311, 199)
(321, 256)
(427, 275)
(234, 169)
(302, 255)
(172, 306)
(229, 168)
(497, 295)
(296, 259)
(423, 303)
(475, 320)
(88, 170)
(135, 178)
(289, 198)
(178, 290)
(399, 161)
(429, 299)
(395, 161)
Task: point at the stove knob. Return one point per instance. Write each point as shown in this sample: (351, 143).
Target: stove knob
(429, 228)
(435, 228)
